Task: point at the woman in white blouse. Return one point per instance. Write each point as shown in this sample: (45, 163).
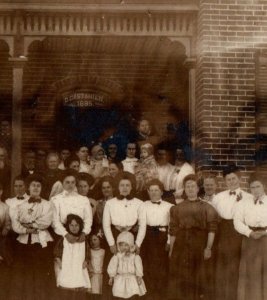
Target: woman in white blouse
(30, 221)
(70, 202)
(251, 221)
(124, 213)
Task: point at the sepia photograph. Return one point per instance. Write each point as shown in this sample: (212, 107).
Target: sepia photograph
(133, 149)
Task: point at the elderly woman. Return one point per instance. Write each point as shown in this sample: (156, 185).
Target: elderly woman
(124, 213)
(250, 221)
(30, 221)
(193, 224)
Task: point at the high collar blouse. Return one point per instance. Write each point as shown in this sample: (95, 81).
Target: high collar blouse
(124, 213)
(71, 203)
(250, 213)
(226, 203)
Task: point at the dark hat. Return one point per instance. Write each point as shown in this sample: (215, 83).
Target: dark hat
(231, 169)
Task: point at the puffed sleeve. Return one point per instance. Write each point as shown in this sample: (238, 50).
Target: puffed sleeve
(57, 225)
(44, 220)
(141, 224)
(16, 225)
(174, 221)
(212, 218)
(107, 225)
(239, 222)
(88, 217)
(113, 266)
(138, 266)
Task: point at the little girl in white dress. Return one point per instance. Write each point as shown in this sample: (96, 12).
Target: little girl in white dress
(96, 266)
(125, 269)
(71, 262)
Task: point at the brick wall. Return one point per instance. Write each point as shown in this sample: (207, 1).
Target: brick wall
(230, 32)
(155, 83)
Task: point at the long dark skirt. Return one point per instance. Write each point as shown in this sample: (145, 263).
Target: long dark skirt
(5, 273)
(31, 275)
(228, 259)
(186, 265)
(252, 284)
(155, 260)
(72, 294)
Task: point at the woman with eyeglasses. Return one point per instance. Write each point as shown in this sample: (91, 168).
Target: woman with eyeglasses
(250, 221)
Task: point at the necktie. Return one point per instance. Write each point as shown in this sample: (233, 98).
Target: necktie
(20, 198)
(158, 202)
(34, 200)
(232, 193)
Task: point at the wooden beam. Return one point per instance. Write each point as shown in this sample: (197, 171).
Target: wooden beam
(18, 64)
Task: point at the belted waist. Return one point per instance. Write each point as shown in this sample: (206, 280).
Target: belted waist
(157, 228)
(123, 228)
(258, 228)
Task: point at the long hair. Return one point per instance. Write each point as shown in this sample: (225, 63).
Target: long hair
(78, 219)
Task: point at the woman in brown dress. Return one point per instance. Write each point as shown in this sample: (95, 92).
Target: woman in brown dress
(193, 224)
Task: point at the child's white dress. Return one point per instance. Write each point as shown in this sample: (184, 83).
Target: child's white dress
(72, 274)
(96, 270)
(125, 269)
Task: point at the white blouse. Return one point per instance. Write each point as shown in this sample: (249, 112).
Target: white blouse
(250, 213)
(225, 204)
(71, 203)
(177, 177)
(165, 175)
(14, 202)
(40, 215)
(124, 213)
(157, 214)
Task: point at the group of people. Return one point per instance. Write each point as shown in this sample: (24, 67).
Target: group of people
(80, 226)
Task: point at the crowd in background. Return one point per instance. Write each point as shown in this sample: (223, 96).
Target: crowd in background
(83, 224)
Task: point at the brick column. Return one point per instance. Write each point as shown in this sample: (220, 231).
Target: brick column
(190, 64)
(229, 35)
(18, 64)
